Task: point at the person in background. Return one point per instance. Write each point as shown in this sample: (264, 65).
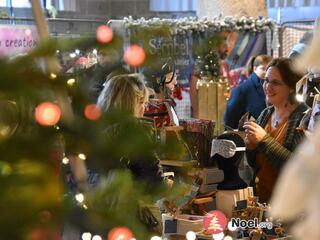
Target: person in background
(107, 62)
(128, 94)
(249, 96)
(299, 48)
(271, 140)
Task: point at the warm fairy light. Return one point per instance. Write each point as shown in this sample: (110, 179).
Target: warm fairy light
(57, 51)
(156, 238)
(86, 236)
(208, 85)
(95, 51)
(47, 114)
(218, 236)
(71, 82)
(85, 206)
(104, 34)
(118, 233)
(96, 237)
(77, 51)
(65, 160)
(134, 55)
(227, 238)
(92, 112)
(231, 228)
(82, 156)
(72, 55)
(299, 97)
(27, 32)
(53, 76)
(79, 197)
(191, 235)
(57, 127)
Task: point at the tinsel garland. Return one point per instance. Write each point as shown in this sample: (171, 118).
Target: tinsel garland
(189, 25)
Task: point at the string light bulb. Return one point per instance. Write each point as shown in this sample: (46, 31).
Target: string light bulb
(53, 76)
(191, 235)
(299, 97)
(96, 237)
(231, 227)
(104, 34)
(72, 55)
(134, 55)
(79, 197)
(82, 156)
(65, 160)
(227, 238)
(28, 32)
(47, 114)
(155, 238)
(218, 236)
(86, 236)
(71, 82)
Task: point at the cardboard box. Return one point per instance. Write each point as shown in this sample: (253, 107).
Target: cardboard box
(211, 175)
(227, 199)
(181, 224)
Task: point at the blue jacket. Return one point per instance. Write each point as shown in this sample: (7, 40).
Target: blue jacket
(246, 97)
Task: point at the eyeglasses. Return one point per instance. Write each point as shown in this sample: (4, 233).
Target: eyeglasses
(273, 83)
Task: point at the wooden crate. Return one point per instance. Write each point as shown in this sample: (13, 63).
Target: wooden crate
(212, 101)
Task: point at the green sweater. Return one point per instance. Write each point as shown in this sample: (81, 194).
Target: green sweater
(278, 154)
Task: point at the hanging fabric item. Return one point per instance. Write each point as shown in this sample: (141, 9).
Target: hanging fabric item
(161, 112)
(238, 47)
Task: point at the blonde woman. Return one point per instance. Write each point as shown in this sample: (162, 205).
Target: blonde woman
(128, 94)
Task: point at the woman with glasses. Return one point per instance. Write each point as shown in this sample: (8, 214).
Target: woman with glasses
(271, 140)
(248, 96)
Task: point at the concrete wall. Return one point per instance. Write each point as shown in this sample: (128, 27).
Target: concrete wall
(239, 8)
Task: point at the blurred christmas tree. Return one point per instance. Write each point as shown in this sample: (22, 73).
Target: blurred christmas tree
(207, 57)
(49, 126)
(207, 65)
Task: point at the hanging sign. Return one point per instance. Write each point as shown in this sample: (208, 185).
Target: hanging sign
(17, 39)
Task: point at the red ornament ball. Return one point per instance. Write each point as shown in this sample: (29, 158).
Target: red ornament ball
(104, 34)
(47, 114)
(92, 112)
(134, 55)
(122, 233)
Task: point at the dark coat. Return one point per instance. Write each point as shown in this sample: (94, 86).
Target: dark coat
(247, 97)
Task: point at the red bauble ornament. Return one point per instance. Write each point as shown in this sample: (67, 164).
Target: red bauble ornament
(92, 112)
(47, 114)
(104, 34)
(134, 55)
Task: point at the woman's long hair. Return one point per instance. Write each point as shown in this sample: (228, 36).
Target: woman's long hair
(123, 93)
